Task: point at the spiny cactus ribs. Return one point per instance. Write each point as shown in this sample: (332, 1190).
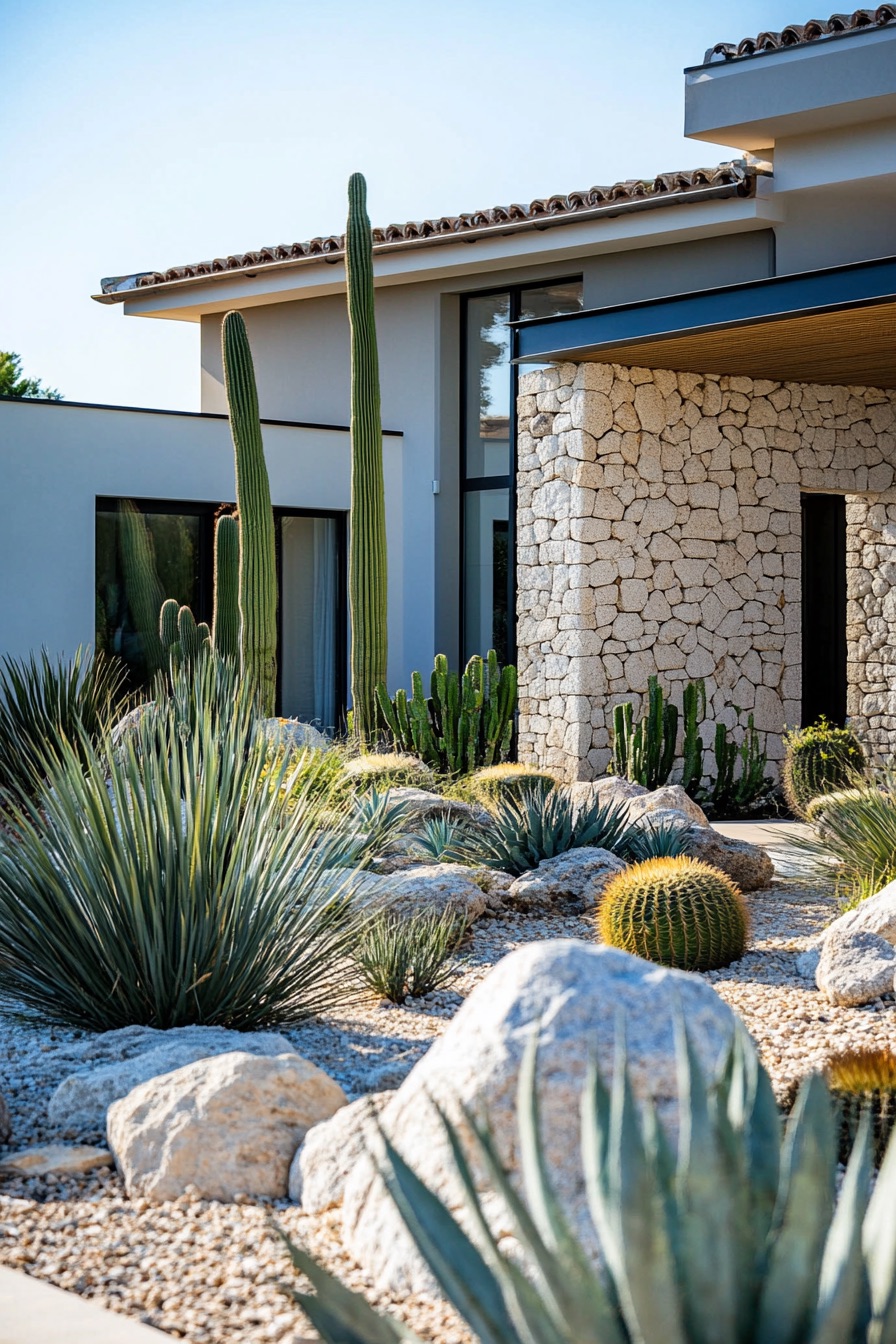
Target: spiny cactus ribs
(675, 911)
(864, 1080)
(820, 759)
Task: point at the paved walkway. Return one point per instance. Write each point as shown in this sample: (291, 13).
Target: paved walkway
(34, 1312)
(775, 836)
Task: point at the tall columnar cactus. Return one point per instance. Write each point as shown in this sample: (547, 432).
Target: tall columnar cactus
(645, 753)
(675, 911)
(142, 587)
(226, 619)
(367, 551)
(694, 706)
(258, 569)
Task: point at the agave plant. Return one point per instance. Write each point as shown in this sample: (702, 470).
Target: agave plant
(740, 1238)
(443, 840)
(165, 881)
(44, 700)
(409, 955)
(537, 825)
(654, 840)
(375, 821)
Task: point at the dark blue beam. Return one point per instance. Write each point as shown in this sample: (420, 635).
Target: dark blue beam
(577, 335)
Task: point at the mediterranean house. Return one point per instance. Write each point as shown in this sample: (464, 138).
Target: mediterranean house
(646, 428)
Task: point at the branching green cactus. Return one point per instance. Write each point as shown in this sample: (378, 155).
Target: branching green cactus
(226, 619)
(257, 570)
(465, 723)
(694, 704)
(367, 550)
(645, 754)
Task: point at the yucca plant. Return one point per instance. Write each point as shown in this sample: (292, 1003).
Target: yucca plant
(856, 839)
(740, 1238)
(44, 700)
(409, 955)
(166, 882)
(375, 821)
(536, 825)
(443, 840)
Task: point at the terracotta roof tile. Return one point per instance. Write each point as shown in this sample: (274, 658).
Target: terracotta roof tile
(797, 34)
(737, 176)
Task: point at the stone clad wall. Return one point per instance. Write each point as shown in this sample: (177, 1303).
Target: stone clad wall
(659, 531)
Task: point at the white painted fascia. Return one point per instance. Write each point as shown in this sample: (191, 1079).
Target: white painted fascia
(463, 258)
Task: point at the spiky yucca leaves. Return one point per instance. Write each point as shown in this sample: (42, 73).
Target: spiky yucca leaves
(739, 1238)
(388, 769)
(678, 912)
(537, 825)
(403, 956)
(44, 700)
(820, 759)
(367, 543)
(856, 832)
(654, 840)
(443, 840)
(165, 882)
(258, 565)
(864, 1080)
(489, 785)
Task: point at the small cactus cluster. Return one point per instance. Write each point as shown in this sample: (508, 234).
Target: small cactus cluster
(466, 721)
(183, 638)
(675, 911)
(820, 759)
(864, 1080)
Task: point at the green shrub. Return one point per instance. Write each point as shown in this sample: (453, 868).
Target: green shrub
(45, 701)
(677, 912)
(407, 956)
(388, 770)
(535, 825)
(820, 759)
(864, 1080)
(166, 882)
(856, 839)
(738, 1237)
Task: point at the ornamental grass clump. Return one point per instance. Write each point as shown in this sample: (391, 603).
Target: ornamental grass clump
(508, 779)
(46, 700)
(401, 956)
(864, 1080)
(534, 826)
(388, 770)
(855, 840)
(739, 1234)
(165, 882)
(675, 911)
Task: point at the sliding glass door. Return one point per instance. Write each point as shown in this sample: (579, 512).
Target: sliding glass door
(311, 628)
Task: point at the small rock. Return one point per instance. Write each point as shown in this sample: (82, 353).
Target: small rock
(5, 1122)
(55, 1157)
(749, 866)
(294, 735)
(807, 963)
(579, 875)
(225, 1126)
(329, 1152)
(132, 1055)
(855, 967)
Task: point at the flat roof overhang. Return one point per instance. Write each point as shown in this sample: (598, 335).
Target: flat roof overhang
(831, 326)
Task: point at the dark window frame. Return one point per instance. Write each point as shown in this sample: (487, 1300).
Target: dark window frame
(507, 482)
(207, 512)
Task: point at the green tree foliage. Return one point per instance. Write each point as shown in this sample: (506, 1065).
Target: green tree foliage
(13, 384)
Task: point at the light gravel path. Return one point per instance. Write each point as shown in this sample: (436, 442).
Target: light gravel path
(208, 1272)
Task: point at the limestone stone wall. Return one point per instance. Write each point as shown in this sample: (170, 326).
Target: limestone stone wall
(659, 531)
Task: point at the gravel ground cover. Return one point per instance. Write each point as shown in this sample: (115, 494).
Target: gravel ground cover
(209, 1272)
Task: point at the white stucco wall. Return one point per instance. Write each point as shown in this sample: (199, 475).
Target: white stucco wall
(56, 458)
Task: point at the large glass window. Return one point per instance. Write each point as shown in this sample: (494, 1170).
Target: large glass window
(488, 595)
(147, 551)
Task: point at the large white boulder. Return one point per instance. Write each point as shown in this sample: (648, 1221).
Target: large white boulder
(855, 967)
(116, 1061)
(670, 798)
(223, 1126)
(577, 877)
(875, 915)
(425, 887)
(420, 805)
(327, 1157)
(575, 992)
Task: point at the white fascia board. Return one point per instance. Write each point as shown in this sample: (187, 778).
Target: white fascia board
(188, 301)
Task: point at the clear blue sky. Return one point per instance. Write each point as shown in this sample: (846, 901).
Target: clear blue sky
(144, 133)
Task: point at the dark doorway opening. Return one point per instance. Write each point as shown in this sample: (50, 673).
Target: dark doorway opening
(824, 607)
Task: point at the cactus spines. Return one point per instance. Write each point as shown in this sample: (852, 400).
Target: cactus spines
(820, 759)
(675, 911)
(168, 622)
(367, 547)
(226, 620)
(860, 1080)
(257, 569)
